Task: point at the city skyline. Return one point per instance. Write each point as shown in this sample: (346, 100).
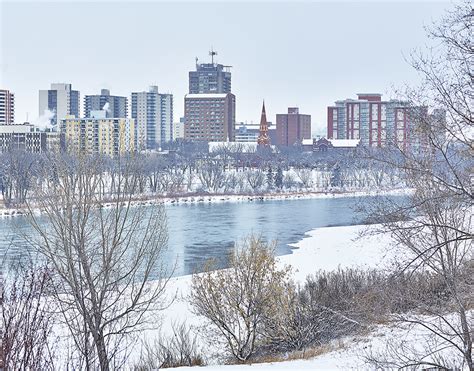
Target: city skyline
(298, 56)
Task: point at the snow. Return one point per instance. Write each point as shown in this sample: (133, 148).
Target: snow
(338, 247)
(246, 147)
(352, 352)
(344, 143)
(321, 249)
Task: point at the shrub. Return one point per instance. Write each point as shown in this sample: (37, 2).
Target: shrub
(178, 350)
(238, 300)
(334, 304)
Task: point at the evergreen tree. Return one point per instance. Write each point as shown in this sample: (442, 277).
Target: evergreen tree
(279, 178)
(270, 178)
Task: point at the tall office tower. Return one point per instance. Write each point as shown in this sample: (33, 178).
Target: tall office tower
(7, 107)
(209, 108)
(209, 117)
(210, 78)
(375, 122)
(292, 127)
(114, 105)
(61, 100)
(153, 115)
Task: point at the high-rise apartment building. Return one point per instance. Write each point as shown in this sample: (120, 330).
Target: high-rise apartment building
(115, 106)
(98, 135)
(61, 100)
(166, 118)
(292, 127)
(209, 117)
(375, 122)
(153, 115)
(210, 78)
(7, 107)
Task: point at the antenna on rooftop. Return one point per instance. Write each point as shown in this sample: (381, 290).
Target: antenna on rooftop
(212, 53)
(197, 59)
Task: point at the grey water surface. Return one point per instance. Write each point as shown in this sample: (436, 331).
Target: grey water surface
(201, 231)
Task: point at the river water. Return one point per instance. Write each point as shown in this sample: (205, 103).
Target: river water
(201, 231)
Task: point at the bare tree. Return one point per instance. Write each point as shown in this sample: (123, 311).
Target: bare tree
(233, 182)
(102, 256)
(211, 174)
(255, 178)
(17, 171)
(434, 227)
(432, 236)
(305, 176)
(26, 319)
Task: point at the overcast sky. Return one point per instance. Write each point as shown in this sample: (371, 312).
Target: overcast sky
(305, 54)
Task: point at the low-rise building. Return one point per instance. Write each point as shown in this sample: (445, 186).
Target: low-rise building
(26, 137)
(325, 145)
(248, 133)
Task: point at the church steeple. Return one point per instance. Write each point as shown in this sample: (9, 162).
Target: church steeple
(263, 138)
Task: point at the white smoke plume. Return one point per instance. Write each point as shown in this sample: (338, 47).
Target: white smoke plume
(44, 121)
(106, 107)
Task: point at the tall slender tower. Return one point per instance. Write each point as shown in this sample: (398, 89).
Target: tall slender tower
(263, 138)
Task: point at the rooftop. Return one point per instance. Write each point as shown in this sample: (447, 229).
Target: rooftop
(206, 96)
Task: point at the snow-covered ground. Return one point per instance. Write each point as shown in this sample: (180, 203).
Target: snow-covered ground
(322, 249)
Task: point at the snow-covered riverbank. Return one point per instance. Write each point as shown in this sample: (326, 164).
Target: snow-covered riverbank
(327, 249)
(197, 199)
(321, 249)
